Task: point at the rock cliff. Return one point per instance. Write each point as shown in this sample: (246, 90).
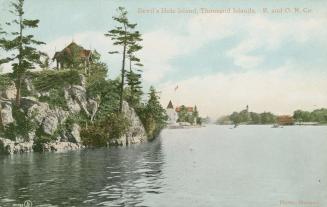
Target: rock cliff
(45, 120)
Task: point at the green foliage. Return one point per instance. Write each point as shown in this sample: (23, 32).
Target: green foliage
(55, 99)
(98, 69)
(124, 35)
(113, 126)
(21, 127)
(49, 79)
(134, 92)
(251, 117)
(108, 93)
(54, 82)
(2, 35)
(5, 81)
(153, 115)
(94, 136)
(318, 115)
(267, 118)
(24, 56)
(185, 116)
(40, 141)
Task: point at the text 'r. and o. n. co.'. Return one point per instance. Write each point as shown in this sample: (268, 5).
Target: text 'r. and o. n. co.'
(190, 11)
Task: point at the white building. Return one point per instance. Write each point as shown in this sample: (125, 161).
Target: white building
(172, 114)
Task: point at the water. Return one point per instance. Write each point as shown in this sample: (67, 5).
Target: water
(250, 166)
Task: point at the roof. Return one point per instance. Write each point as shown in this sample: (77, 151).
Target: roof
(76, 49)
(189, 109)
(170, 105)
(285, 119)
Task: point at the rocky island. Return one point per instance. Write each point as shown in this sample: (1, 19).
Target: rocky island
(73, 105)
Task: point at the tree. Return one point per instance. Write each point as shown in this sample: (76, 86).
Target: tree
(24, 56)
(2, 34)
(153, 116)
(98, 70)
(124, 36)
(134, 77)
(182, 114)
(135, 89)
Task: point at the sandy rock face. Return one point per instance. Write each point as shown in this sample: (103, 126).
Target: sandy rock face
(136, 132)
(10, 92)
(6, 112)
(76, 133)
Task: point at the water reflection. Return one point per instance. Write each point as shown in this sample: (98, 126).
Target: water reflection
(115, 177)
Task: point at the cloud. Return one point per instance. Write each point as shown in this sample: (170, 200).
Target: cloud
(161, 46)
(264, 34)
(280, 91)
(254, 33)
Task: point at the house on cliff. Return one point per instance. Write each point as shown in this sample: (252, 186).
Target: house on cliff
(73, 55)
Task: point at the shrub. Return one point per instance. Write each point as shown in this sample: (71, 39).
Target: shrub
(113, 126)
(21, 127)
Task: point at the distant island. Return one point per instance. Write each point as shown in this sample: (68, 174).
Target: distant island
(299, 117)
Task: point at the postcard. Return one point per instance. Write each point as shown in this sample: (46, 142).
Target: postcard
(163, 103)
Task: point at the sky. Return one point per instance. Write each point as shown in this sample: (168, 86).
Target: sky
(219, 61)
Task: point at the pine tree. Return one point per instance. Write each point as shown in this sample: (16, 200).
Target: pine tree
(154, 116)
(24, 56)
(134, 76)
(2, 35)
(124, 36)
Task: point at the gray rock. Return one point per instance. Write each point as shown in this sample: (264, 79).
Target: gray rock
(93, 108)
(61, 114)
(10, 147)
(76, 133)
(41, 114)
(61, 146)
(28, 102)
(38, 111)
(6, 112)
(72, 104)
(30, 87)
(31, 136)
(79, 93)
(136, 132)
(82, 80)
(50, 124)
(10, 92)
(6, 146)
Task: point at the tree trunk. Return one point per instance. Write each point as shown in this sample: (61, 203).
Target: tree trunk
(18, 91)
(122, 80)
(19, 77)
(1, 125)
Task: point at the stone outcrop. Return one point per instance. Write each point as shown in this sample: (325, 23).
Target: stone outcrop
(136, 132)
(42, 115)
(10, 147)
(6, 112)
(47, 120)
(58, 146)
(75, 133)
(10, 92)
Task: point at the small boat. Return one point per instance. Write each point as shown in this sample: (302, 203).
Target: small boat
(275, 126)
(236, 125)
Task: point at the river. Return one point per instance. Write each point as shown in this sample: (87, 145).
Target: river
(249, 166)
